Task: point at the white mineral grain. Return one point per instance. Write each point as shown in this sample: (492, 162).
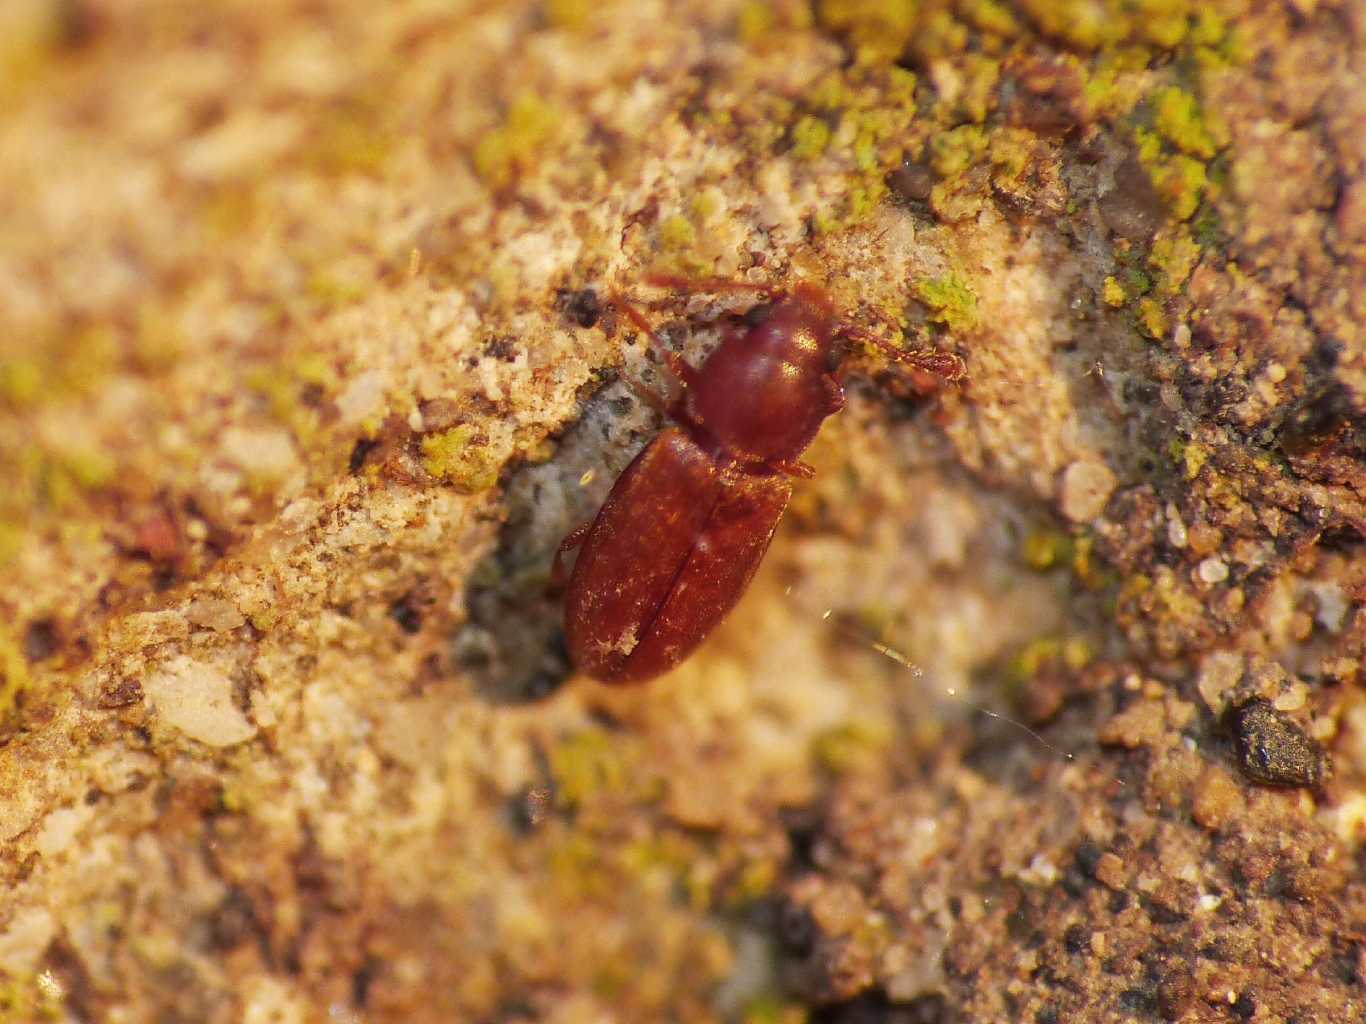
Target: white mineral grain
(196, 699)
(1086, 487)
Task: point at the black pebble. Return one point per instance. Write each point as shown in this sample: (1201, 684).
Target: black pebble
(1273, 750)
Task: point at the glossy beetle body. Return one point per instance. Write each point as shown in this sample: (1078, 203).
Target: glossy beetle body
(686, 525)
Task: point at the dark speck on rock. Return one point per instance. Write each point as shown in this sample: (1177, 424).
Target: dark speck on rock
(581, 307)
(911, 182)
(797, 929)
(407, 614)
(42, 640)
(876, 1008)
(364, 446)
(1273, 750)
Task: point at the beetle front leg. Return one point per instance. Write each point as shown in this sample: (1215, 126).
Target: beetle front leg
(685, 373)
(946, 366)
(794, 467)
(834, 394)
(711, 284)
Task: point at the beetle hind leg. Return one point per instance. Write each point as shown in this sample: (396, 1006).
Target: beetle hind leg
(573, 540)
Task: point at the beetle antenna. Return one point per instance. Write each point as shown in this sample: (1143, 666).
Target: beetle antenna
(892, 654)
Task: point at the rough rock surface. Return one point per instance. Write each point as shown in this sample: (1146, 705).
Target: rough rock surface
(307, 361)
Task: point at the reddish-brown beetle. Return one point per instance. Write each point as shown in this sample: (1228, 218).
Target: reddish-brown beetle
(679, 538)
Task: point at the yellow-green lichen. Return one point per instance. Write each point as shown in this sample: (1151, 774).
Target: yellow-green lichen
(878, 29)
(810, 136)
(1086, 24)
(1012, 150)
(1191, 456)
(511, 148)
(1181, 182)
(952, 152)
(568, 14)
(585, 766)
(676, 234)
(754, 21)
(26, 1000)
(351, 139)
(21, 381)
(1043, 549)
(772, 1009)
(1072, 652)
(14, 676)
(1086, 567)
(1152, 317)
(332, 290)
(1097, 24)
(990, 16)
(950, 301)
(858, 745)
(11, 542)
(283, 389)
(1173, 257)
(1177, 117)
(1113, 292)
(455, 456)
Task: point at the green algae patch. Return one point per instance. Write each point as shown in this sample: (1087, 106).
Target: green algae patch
(950, 301)
(455, 457)
(512, 147)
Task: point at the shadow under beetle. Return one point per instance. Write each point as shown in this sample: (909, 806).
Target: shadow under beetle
(681, 534)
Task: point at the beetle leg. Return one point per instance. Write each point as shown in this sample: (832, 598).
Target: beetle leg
(834, 394)
(710, 284)
(680, 368)
(944, 365)
(572, 540)
(794, 467)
